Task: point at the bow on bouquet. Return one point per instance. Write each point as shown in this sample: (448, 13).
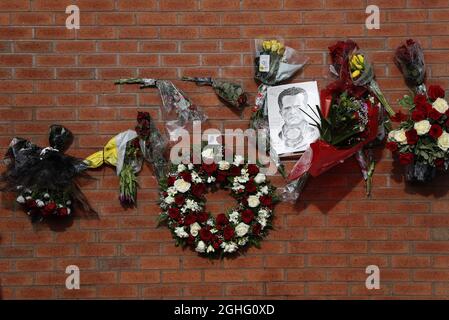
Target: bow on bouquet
(178, 110)
(45, 179)
(231, 93)
(127, 150)
(421, 142)
(274, 63)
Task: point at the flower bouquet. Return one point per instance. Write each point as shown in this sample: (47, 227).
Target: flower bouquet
(409, 58)
(177, 110)
(421, 142)
(45, 179)
(274, 63)
(127, 150)
(229, 92)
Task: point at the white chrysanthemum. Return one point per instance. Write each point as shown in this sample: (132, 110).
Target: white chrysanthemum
(242, 241)
(210, 222)
(200, 247)
(211, 179)
(169, 200)
(440, 105)
(180, 232)
(443, 141)
(181, 167)
(229, 246)
(422, 127)
(192, 205)
(196, 178)
(264, 190)
(241, 229)
(182, 186)
(260, 178)
(234, 217)
(224, 165)
(208, 154)
(194, 228)
(253, 201)
(172, 191)
(263, 213)
(262, 221)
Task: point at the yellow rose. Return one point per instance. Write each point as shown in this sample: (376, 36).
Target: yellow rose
(266, 45)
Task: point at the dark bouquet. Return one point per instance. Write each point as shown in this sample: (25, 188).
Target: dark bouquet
(45, 179)
(409, 58)
(178, 110)
(229, 92)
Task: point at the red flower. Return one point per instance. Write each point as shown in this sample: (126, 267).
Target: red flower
(221, 177)
(406, 158)
(435, 114)
(31, 204)
(420, 100)
(253, 169)
(205, 234)
(50, 207)
(190, 240)
(228, 233)
(189, 219)
(247, 216)
(209, 168)
(171, 181)
(235, 171)
(216, 243)
(412, 136)
(257, 228)
(63, 212)
(266, 201)
(250, 186)
(435, 92)
(392, 146)
(174, 213)
(435, 131)
(439, 163)
(198, 190)
(186, 176)
(399, 117)
(222, 219)
(179, 200)
(202, 217)
(418, 115)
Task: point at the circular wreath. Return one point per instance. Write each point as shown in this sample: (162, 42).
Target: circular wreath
(183, 206)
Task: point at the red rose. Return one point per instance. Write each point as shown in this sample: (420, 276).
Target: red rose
(179, 200)
(198, 190)
(186, 176)
(412, 136)
(222, 219)
(189, 219)
(174, 213)
(420, 99)
(424, 108)
(435, 114)
(50, 207)
(216, 243)
(235, 171)
(253, 169)
(418, 115)
(190, 240)
(171, 181)
(392, 146)
(247, 216)
(63, 212)
(209, 168)
(202, 217)
(228, 233)
(447, 123)
(399, 117)
(406, 158)
(435, 131)
(205, 234)
(31, 204)
(250, 186)
(266, 201)
(221, 177)
(439, 163)
(257, 228)
(435, 92)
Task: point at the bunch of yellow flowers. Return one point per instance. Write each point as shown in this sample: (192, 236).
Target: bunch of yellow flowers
(273, 46)
(357, 65)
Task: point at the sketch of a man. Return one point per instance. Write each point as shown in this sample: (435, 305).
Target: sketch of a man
(291, 101)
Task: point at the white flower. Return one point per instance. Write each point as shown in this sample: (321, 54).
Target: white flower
(28, 198)
(208, 154)
(200, 247)
(238, 160)
(172, 191)
(263, 213)
(224, 165)
(191, 205)
(46, 196)
(190, 166)
(234, 217)
(243, 178)
(229, 246)
(210, 222)
(196, 178)
(253, 201)
(264, 190)
(40, 203)
(180, 232)
(262, 221)
(68, 202)
(241, 229)
(422, 127)
(194, 228)
(443, 141)
(237, 186)
(181, 185)
(242, 241)
(20, 199)
(398, 136)
(210, 249)
(68, 211)
(213, 230)
(260, 178)
(181, 167)
(169, 200)
(211, 179)
(440, 105)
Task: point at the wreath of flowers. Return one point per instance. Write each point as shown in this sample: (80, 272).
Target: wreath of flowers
(183, 205)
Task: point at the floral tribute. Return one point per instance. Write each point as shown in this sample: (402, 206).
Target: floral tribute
(183, 205)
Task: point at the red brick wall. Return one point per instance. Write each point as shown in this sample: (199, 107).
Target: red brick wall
(320, 247)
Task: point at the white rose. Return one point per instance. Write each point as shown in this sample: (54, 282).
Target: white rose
(422, 127)
(224, 165)
(253, 201)
(194, 228)
(181, 185)
(20, 199)
(190, 166)
(200, 247)
(440, 105)
(40, 203)
(210, 249)
(181, 167)
(264, 190)
(169, 200)
(399, 136)
(208, 154)
(180, 232)
(241, 229)
(260, 178)
(443, 141)
(238, 160)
